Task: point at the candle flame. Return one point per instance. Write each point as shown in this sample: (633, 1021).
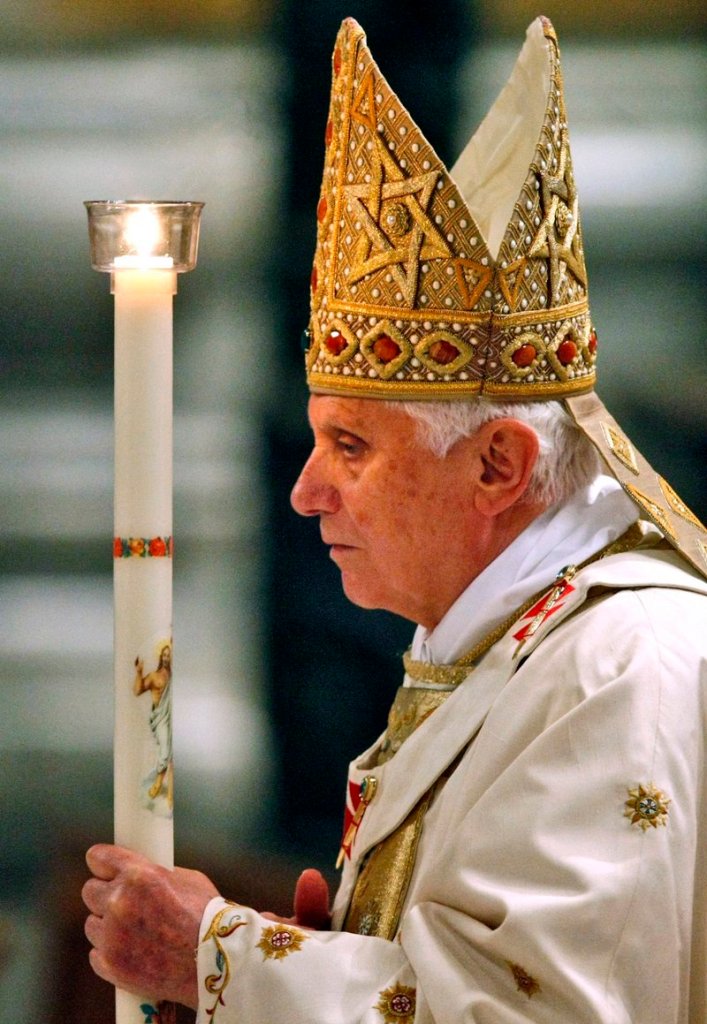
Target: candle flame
(142, 232)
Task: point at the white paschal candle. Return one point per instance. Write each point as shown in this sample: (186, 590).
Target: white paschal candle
(143, 770)
(142, 566)
(143, 245)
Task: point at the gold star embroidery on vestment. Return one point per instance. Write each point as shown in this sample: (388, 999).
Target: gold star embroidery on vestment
(647, 807)
(557, 238)
(279, 941)
(396, 1005)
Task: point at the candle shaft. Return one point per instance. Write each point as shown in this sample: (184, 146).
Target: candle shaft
(143, 574)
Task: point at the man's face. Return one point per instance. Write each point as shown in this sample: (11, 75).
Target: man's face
(399, 521)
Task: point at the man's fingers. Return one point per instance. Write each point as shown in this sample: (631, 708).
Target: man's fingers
(94, 930)
(98, 964)
(95, 895)
(312, 900)
(101, 967)
(106, 862)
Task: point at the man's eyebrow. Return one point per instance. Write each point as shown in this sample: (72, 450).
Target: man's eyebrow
(335, 427)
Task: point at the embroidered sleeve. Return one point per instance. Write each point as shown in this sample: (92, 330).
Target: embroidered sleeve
(253, 971)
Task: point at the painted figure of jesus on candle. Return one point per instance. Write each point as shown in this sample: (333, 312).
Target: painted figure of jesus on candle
(157, 684)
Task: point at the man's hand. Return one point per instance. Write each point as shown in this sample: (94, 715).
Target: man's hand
(311, 903)
(144, 923)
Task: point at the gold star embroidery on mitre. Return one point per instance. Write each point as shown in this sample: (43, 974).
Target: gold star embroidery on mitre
(678, 505)
(403, 245)
(557, 237)
(279, 941)
(647, 807)
(654, 511)
(621, 447)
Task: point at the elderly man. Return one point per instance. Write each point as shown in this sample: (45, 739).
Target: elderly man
(523, 842)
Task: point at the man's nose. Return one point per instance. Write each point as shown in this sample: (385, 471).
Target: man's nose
(312, 493)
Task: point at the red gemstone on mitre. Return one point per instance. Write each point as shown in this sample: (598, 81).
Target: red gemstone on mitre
(329, 133)
(567, 352)
(314, 280)
(321, 209)
(337, 62)
(386, 349)
(335, 342)
(524, 355)
(443, 352)
(592, 341)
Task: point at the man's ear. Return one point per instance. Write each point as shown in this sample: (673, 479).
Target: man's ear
(508, 450)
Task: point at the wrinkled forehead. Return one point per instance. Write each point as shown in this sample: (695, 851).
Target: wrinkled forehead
(348, 412)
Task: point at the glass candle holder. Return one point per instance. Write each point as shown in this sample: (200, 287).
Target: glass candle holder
(143, 234)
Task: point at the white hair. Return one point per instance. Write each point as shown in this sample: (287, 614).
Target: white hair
(567, 458)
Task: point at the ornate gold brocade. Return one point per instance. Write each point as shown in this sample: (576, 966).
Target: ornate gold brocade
(382, 883)
(410, 708)
(648, 490)
(407, 298)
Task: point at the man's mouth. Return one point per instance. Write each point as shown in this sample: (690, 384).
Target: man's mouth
(336, 548)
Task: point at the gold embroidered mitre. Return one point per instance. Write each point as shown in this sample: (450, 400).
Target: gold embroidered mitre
(436, 284)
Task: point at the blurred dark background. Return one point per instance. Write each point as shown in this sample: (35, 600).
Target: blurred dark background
(279, 682)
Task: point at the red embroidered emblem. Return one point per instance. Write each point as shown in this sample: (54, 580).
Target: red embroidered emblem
(541, 611)
(352, 805)
(360, 797)
(544, 608)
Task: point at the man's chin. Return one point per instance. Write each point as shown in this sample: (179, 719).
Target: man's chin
(357, 592)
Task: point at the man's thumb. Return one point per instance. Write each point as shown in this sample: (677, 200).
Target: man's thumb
(312, 900)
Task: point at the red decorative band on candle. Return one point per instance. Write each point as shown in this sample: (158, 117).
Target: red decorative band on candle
(142, 547)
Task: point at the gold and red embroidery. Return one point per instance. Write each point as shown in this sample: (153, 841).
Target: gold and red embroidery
(216, 984)
(360, 797)
(396, 1005)
(280, 940)
(545, 607)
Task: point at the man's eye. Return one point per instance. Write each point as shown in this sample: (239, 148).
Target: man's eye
(349, 445)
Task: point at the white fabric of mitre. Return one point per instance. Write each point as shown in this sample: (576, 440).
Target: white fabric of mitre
(565, 534)
(492, 167)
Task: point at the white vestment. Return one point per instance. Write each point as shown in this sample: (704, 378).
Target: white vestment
(540, 892)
